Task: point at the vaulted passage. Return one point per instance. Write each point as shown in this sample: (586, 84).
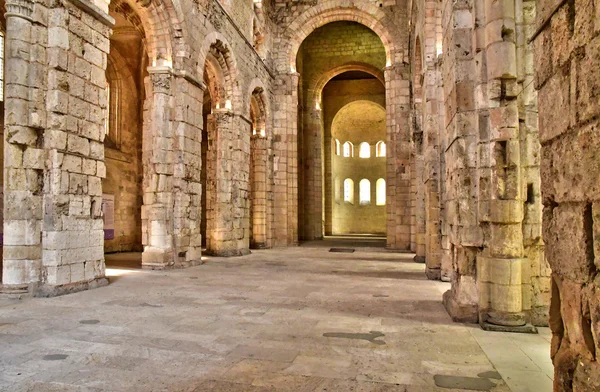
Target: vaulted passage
(444, 152)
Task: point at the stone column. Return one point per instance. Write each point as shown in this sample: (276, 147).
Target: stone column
(285, 163)
(433, 117)
(187, 185)
(398, 179)
(258, 195)
(228, 224)
(22, 258)
(312, 137)
(536, 272)
(209, 193)
(158, 160)
(464, 234)
(500, 266)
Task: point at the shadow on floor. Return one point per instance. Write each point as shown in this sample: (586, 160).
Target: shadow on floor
(371, 242)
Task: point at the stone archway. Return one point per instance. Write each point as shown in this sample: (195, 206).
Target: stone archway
(397, 105)
(259, 178)
(227, 159)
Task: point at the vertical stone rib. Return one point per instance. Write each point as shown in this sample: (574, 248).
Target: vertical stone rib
(22, 251)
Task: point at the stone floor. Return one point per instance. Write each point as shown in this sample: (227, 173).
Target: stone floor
(300, 319)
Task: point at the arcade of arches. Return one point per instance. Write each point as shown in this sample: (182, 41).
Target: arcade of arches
(464, 132)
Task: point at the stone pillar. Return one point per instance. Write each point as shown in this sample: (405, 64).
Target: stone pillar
(433, 110)
(567, 57)
(500, 267)
(258, 196)
(187, 184)
(536, 272)
(209, 193)
(54, 157)
(229, 149)
(312, 137)
(418, 168)
(398, 179)
(158, 160)
(285, 163)
(22, 259)
(464, 234)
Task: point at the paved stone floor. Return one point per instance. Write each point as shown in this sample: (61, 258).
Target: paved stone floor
(300, 319)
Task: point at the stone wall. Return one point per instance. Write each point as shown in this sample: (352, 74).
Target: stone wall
(567, 58)
(55, 155)
(358, 122)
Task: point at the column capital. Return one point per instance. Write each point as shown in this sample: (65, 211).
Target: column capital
(19, 9)
(161, 78)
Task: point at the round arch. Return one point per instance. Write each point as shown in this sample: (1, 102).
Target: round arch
(360, 102)
(159, 21)
(318, 84)
(257, 89)
(217, 59)
(368, 15)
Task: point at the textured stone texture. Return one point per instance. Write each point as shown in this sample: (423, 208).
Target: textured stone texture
(567, 39)
(217, 131)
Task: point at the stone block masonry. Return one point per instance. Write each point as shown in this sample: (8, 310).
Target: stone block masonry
(54, 136)
(567, 58)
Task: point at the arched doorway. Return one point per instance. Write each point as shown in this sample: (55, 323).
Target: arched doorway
(259, 219)
(226, 158)
(361, 123)
(353, 73)
(125, 91)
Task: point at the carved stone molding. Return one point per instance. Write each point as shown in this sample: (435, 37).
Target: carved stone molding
(19, 8)
(161, 82)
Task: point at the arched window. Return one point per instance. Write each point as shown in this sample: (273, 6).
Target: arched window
(380, 192)
(336, 190)
(380, 149)
(112, 137)
(365, 150)
(349, 191)
(348, 150)
(338, 147)
(365, 191)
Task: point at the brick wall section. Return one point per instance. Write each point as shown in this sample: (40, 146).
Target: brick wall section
(567, 54)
